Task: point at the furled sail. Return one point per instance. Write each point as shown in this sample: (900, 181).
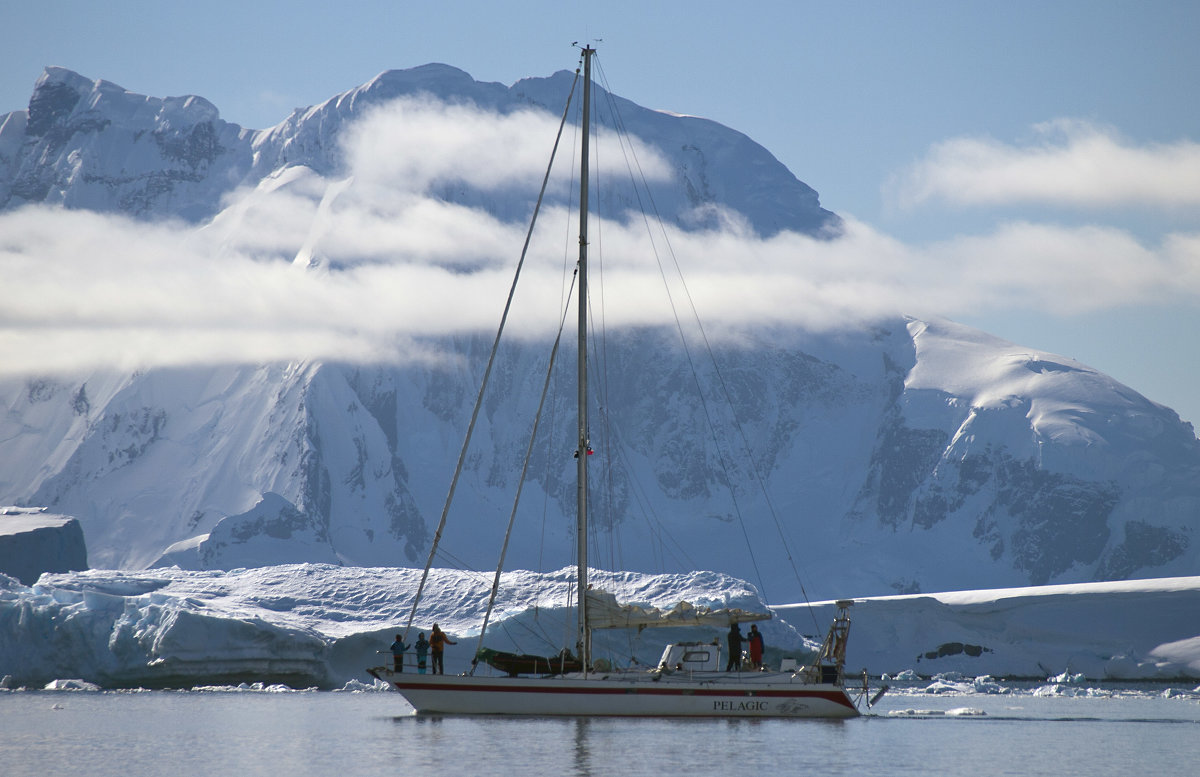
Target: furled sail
(605, 612)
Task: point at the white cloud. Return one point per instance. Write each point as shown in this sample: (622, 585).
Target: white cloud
(1064, 270)
(419, 145)
(399, 264)
(1069, 163)
(867, 274)
(84, 290)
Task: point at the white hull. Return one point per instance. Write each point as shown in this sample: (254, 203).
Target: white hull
(715, 694)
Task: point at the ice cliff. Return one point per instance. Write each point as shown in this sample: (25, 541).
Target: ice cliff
(33, 541)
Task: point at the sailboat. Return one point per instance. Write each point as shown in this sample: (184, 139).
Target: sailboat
(687, 682)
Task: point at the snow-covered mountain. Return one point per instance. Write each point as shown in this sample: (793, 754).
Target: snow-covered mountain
(904, 456)
(91, 144)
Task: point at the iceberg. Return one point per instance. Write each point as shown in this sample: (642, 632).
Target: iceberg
(300, 625)
(321, 625)
(33, 541)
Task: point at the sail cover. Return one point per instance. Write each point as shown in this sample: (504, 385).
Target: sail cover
(605, 612)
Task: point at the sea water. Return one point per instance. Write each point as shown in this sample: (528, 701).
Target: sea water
(337, 734)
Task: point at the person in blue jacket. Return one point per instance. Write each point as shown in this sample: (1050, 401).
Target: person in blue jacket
(422, 651)
(398, 648)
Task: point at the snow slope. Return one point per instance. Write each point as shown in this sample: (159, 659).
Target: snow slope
(929, 457)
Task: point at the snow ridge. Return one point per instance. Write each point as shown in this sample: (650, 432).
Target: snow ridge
(93, 145)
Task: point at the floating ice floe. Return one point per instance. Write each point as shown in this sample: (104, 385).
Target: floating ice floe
(1057, 689)
(940, 685)
(985, 684)
(907, 676)
(956, 712)
(357, 686)
(1181, 693)
(251, 688)
(71, 685)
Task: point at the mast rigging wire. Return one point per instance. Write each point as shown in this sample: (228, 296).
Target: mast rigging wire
(512, 516)
(630, 151)
(462, 456)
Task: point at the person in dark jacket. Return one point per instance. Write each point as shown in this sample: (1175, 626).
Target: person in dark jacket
(398, 648)
(437, 645)
(735, 648)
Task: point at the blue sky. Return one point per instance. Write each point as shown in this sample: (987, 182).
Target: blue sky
(943, 126)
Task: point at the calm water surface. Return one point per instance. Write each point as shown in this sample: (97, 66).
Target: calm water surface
(179, 734)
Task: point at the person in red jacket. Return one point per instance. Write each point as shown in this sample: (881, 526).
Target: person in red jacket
(756, 647)
(437, 645)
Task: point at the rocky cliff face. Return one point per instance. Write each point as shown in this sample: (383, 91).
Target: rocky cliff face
(92, 145)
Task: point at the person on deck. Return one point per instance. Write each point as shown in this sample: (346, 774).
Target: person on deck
(422, 649)
(756, 647)
(735, 648)
(398, 648)
(437, 644)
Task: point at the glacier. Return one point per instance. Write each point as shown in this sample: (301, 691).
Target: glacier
(319, 625)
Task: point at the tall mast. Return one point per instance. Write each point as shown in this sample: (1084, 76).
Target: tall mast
(581, 452)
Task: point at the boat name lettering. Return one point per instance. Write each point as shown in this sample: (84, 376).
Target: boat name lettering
(739, 706)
